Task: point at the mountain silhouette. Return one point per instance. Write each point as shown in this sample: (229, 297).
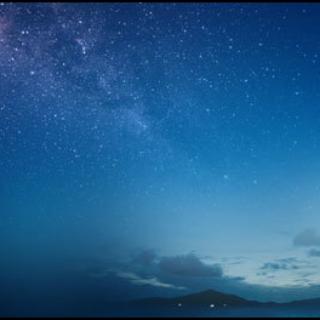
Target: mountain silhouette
(209, 297)
(304, 303)
(215, 299)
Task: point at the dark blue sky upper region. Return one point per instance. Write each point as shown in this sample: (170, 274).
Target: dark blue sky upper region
(158, 149)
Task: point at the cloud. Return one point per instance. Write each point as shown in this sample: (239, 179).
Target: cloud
(145, 258)
(189, 265)
(237, 278)
(291, 263)
(152, 281)
(289, 260)
(125, 280)
(161, 271)
(307, 238)
(275, 266)
(314, 253)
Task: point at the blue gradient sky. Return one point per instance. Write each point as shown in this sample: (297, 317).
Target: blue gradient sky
(159, 149)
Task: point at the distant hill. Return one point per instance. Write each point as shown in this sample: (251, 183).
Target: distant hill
(209, 298)
(214, 299)
(304, 303)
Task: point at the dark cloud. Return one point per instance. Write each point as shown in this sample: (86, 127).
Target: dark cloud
(236, 278)
(145, 258)
(307, 238)
(275, 266)
(189, 265)
(314, 253)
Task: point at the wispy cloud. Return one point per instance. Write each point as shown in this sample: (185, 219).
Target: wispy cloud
(152, 281)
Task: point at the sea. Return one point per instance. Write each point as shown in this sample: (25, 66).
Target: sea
(282, 311)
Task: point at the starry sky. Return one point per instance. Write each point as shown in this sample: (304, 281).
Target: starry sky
(158, 149)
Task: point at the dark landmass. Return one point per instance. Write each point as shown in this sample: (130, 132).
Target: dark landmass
(304, 303)
(214, 299)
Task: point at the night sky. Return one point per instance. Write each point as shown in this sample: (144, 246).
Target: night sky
(158, 150)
